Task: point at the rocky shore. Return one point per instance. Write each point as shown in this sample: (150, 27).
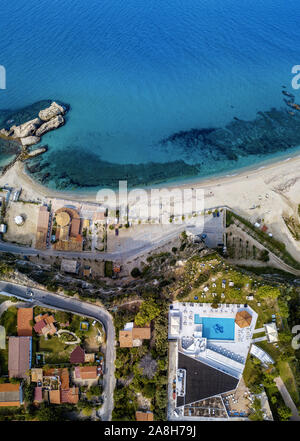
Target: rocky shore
(18, 138)
(30, 132)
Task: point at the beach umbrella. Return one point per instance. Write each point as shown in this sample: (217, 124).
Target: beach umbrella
(243, 319)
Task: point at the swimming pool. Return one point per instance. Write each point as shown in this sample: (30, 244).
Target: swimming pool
(216, 328)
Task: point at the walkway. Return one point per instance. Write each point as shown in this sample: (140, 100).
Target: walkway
(287, 399)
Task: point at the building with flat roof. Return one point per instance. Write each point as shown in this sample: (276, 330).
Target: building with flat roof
(19, 356)
(69, 266)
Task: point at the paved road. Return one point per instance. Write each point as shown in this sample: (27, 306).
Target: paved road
(120, 255)
(57, 301)
(287, 399)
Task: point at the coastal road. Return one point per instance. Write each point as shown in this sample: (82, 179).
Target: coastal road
(148, 246)
(61, 302)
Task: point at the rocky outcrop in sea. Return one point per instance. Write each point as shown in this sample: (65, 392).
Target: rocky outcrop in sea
(30, 132)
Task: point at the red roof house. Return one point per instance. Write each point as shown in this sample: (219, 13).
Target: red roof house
(77, 356)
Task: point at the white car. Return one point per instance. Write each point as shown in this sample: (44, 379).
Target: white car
(94, 322)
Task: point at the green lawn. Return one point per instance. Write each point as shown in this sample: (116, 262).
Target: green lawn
(55, 350)
(243, 286)
(288, 378)
(9, 321)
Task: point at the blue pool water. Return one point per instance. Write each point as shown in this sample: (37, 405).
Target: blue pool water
(136, 72)
(216, 328)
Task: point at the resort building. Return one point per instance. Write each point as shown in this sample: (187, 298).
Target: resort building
(212, 345)
(10, 395)
(24, 322)
(131, 336)
(271, 332)
(262, 355)
(19, 356)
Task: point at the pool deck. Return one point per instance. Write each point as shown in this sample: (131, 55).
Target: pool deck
(228, 356)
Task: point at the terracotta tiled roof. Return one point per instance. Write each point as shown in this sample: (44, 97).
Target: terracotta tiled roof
(69, 395)
(142, 333)
(64, 378)
(39, 326)
(88, 372)
(125, 339)
(77, 355)
(54, 396)
(25, 315)
(143, 416)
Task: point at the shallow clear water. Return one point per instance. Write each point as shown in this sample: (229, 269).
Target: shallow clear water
(137, 72)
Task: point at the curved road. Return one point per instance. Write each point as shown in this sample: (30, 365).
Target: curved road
(58, 301)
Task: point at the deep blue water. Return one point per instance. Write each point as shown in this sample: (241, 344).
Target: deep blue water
(136, 71)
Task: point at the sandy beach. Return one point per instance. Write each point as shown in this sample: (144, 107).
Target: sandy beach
(274, 189)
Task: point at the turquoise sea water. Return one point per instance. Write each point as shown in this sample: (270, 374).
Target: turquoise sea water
(135, 73)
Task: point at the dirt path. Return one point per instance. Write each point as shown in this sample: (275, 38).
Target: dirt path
(287, 399)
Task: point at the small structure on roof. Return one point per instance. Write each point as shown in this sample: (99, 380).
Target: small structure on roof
(19, 220)
(271, 332)
(243, 318)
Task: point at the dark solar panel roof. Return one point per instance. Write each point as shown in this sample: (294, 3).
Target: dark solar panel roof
(203, 381)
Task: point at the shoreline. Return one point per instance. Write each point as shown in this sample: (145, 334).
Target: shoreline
(17, 176)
